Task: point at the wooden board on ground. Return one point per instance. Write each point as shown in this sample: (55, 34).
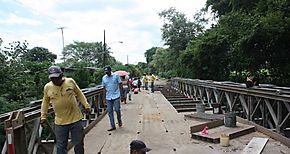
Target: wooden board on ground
(214, 133)
(205, 116)
(255, 146)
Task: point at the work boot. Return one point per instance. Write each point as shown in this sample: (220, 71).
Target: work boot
(111, 129)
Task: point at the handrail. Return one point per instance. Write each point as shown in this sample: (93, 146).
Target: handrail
(274, 92)
(34, 106)
(16, 127)
(266, 104)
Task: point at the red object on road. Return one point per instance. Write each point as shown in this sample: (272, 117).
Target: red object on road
(204, 131)
(136, 90)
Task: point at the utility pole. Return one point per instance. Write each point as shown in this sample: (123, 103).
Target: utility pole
(61, 28)
(127, 60)
(1, 41)
(104, 52)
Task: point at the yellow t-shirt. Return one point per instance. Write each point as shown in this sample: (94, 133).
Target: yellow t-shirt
(145, 79)
(64, 102)
(153, 77)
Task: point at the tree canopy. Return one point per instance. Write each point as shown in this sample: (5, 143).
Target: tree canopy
(249, 37)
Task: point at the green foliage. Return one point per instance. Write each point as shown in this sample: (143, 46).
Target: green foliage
(149, 54)
(177, 32)
(23, 74)
(90, 54)
(250, 37)
(99, 73)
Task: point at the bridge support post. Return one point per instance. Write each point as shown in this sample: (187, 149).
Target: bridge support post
(279, 118)
(15, 133)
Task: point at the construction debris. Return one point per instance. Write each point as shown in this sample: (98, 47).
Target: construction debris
(255, 146)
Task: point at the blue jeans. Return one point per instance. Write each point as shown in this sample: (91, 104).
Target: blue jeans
(125, 92)
(116, 104)
(146, 85)
(77, 136)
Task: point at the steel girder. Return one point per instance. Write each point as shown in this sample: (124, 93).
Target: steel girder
(269, 107)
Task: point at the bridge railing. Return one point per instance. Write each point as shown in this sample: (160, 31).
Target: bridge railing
(24, 134)
(266, 105)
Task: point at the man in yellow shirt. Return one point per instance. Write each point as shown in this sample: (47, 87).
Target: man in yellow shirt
(62, 93)
(153, 78)
(145, 80)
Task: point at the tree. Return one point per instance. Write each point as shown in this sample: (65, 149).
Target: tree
(90, 53)
(178, 31)
(25, 73)
(256, 32)
(149, 54)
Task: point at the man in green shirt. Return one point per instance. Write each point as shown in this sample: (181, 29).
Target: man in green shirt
(62, 93)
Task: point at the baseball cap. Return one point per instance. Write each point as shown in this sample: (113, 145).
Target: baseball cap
(139, 145)
(54, 71)
(107, 68)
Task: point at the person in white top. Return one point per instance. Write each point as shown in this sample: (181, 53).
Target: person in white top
(126, 87)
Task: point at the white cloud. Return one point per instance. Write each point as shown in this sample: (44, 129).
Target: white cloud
(39, 7)
(137, 25)
(14, 19)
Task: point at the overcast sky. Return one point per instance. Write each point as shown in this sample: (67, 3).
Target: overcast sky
(134, 22)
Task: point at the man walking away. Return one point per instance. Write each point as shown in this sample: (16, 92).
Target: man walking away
(139, 84)
(63, 94)
(126, 87)
(112, 87)
(153, 78)
(145, 80)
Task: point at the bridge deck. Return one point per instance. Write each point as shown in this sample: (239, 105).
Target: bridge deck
(150, 118)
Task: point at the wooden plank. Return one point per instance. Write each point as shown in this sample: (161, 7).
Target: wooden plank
(213, 124)
(276, 136)
(34, 135)
(255, 146)
(233, 132)
(191, 109)
(205, 116)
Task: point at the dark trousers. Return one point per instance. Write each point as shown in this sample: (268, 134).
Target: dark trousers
(77, 136)
(152, 86)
